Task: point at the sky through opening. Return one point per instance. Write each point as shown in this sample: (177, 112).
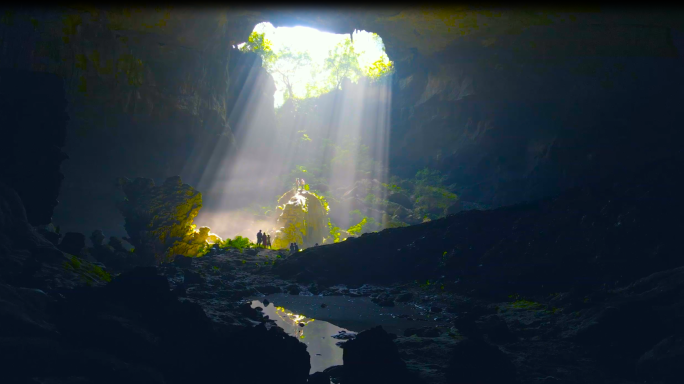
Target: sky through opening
(308, 80)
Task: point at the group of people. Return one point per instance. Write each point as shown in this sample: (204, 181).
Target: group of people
(300, 183)
(263, 239)
(294, 247)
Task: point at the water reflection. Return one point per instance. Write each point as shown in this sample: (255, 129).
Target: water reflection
(316, 334)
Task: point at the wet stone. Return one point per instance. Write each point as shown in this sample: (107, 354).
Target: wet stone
(404, 297)
(293, 289)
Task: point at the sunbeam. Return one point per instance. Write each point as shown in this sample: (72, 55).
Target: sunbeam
(330, 130)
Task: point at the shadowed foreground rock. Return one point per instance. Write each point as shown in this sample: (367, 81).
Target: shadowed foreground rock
(135, 330)
(34, 129)
(372, 357)
(476, 362)
(604, 235)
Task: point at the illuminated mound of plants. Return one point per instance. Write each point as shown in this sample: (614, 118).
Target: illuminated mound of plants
(239, 243)
(304, 219)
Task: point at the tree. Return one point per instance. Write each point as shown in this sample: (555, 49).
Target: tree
(286, 66)
(342, 62)
(258, 43)
(381, 67)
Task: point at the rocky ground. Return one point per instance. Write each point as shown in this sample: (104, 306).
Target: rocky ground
(583, 288)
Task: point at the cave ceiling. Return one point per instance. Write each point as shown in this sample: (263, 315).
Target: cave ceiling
(426, 30)
(560, 31)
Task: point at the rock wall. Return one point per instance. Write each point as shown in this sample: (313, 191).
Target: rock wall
(33, 121)
(150, 94)
(159, 219)
(519, 119)
(519, 105)
(514, 104)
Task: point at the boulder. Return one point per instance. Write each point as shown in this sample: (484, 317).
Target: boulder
(293, 289)
(140, 287)
(383, 300)
(496, 329)
(664, 360)
(404, 297)
(288, 360)
(72, 243)
(181, 261)
(372, 357)
(191, 277)
(422, 332)
(159, 219)
(97, 238)
(116, 244)
(476, 362)
(23, 312)
(267, 290)
(319, 378)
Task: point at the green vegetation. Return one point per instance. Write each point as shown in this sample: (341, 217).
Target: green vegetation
(159, 219)
(342, 63)
(380, 69)
(520, 303)
(239, 243)
(89, 273)
(335, 232)
(375, 205)
(392, 187)
(431, 197)
(425, 285)
(258, 43)
(356, 229)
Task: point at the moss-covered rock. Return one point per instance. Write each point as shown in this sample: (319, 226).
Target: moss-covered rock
(303, 220)
(159, 219)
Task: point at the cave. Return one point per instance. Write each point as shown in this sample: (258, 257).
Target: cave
(444, 194)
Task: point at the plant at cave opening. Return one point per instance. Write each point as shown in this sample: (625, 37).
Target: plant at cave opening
(259, 44)
(303, 72)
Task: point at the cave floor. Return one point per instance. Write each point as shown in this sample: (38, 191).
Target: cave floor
(535, 334)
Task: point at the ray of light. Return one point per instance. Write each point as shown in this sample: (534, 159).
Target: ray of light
(246, 165)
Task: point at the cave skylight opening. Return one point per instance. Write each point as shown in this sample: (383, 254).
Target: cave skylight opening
(331, 142)
(306, 62)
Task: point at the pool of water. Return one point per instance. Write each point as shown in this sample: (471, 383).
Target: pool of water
(316, 334)
(325, 316)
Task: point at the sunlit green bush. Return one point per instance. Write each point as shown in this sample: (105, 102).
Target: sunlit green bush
(239, 243)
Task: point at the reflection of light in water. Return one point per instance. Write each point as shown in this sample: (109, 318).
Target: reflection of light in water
(319, 344)
(298, 322)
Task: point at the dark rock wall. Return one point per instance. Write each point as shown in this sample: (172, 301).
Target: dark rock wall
(512, 123)
(33, 120)
(150, 94)
(517, 109)
(605, 235)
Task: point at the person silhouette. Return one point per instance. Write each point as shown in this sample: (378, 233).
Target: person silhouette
(260, 238)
